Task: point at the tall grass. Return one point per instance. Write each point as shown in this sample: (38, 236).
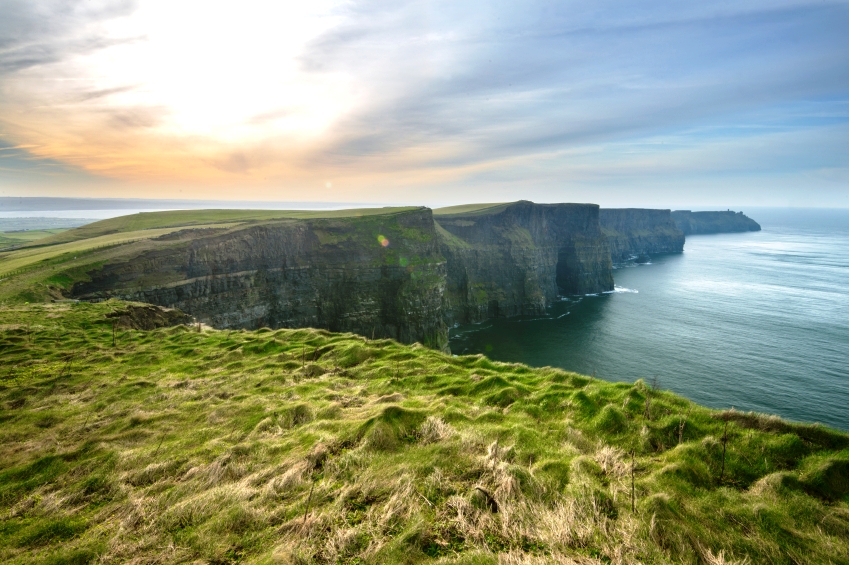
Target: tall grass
(303, 446)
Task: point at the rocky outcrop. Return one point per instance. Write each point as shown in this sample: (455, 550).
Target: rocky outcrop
(380, 275)
(637, 232)
(516, 258)
(148, 317)
(713, 222)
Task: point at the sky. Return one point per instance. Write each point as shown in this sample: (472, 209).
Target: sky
(656, 103)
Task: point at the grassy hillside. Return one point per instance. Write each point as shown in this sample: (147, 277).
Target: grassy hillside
(472, 209)
(33, 271)
(192, 218)
(30, 256)
(20, 237)
(302, 446)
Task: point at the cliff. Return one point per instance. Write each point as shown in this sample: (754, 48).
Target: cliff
(379, 275)
(393, 273)
(510, 259)
(713, 222)
(636, 232)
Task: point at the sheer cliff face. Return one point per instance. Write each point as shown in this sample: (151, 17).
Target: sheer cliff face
(515, 259)
(713, 222)
(399, 275)
(380, 276)
(633, 232)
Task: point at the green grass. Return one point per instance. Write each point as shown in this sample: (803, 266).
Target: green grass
(28, 257)
(189, 218)
(304, 446)
(472, 209)
(20, 237)
(39, 270)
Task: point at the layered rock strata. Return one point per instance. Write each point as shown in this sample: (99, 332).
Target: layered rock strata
(398, 274)
(638, 232)
(713, 222)
(379, 276)
(516, 258)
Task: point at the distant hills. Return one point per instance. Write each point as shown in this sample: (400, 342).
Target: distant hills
(41, 204)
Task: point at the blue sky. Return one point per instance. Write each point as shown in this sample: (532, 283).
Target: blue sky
(665, 104)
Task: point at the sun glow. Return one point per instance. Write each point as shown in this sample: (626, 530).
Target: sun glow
(192, 89)
(226, 71)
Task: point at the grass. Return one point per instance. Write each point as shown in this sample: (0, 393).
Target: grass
(39, 270)
(20, 237)
(304, 446)
(28, 257)
(472, 209)
(196, 218)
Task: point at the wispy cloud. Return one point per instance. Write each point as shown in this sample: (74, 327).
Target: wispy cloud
(429, 95)
(523, 88)
(41, 32)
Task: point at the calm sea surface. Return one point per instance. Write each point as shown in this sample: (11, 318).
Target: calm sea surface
(758, 321)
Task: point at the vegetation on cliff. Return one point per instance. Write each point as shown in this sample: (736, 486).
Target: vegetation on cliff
(12, 239)
(692, 223)
(186, 444)
(46, 266)
(388, 272)
(377, 272)
(636, 232)
(518, 257)
(191, 218)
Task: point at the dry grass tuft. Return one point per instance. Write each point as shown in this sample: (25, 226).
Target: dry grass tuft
(522, 558)
(435, 429)
(711, 558)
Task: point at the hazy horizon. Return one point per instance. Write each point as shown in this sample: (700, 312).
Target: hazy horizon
(132, 205)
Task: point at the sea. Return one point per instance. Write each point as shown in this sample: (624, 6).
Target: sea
(755, 321)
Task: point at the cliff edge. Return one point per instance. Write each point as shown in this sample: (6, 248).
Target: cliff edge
(376, 275)
(713, 222)
(400, 273)
(636, 232)
(516, 258)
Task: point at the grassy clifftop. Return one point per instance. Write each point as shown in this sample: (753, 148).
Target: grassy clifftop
(193, 218)
(41, 268)
(473, 209)
(303, 446)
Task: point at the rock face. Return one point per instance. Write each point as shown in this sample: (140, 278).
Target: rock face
(517, 258)
(638, 232)
(380, 276)
(148, 317)
(402, 274)
(713, 222)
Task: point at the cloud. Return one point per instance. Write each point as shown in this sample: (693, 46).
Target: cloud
(269, 116)
(511, 82)
(40, 32)
(428, 95)
(135, 118)
(103, 93)
(234, 163)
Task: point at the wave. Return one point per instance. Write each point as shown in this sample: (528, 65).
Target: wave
(520, 321)
(622, 290)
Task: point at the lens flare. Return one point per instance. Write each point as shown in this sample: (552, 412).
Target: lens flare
(383, 241)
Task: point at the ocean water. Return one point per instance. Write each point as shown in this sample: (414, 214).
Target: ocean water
(755, 321)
